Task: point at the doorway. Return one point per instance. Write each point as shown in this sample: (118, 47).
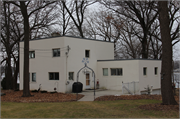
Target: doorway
(87, 81)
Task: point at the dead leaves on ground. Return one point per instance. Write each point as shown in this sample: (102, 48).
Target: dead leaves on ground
(16, 96)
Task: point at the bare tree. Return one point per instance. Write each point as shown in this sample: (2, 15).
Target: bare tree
(76, 9)
(143, 13)
(27, 9)
(166, 83)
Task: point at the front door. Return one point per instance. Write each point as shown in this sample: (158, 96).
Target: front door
(87, 81)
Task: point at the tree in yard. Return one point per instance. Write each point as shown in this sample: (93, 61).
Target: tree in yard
(166, 83)
(12, 33)
(26, 13)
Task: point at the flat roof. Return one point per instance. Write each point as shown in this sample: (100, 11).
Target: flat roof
(127, 59)
(70, 37)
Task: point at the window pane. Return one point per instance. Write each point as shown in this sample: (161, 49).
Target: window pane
(51, 76)
(33, 77)
(144, 71)
(56, 76)
(155, 70)
(54, 53)
(105, 71)
(71, 75)
(119, 71)
(87, 53)
(58, 52)
(113, 71)
(31, 54)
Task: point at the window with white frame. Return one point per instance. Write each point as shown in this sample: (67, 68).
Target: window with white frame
(56, 52)
(87, 53)
(105, 71)
(33, 77)
(53, 75)
(116, 71)
(71, 75)
(155, 70)
(31, 54)
(144, 71)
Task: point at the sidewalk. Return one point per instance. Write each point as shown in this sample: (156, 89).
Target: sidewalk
(89, 94)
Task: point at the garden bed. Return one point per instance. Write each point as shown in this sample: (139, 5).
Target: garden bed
(16, 96)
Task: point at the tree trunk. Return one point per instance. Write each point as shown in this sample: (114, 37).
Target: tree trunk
(166, 83)
(26, 92)
(144, 49)
(16, 75)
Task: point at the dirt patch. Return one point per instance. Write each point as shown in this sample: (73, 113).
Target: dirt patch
(16, 96)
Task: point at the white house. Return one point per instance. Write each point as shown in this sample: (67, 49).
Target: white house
(55, 61)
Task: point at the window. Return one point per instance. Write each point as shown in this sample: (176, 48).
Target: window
(145, 71)
(56, 52)
(105, 71)
(87, 53)
(155, 70)
(31, 54)
(116, 72)
(54, 76)
(33, 77)
(71, 75)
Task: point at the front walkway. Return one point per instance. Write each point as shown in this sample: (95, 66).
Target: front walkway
(89, 95)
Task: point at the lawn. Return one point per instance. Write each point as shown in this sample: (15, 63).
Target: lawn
(96, 109)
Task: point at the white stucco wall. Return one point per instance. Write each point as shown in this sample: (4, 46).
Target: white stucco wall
(150, 78)
(43, 63)
(98, 50)
(130, 73)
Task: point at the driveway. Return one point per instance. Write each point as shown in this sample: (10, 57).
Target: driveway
(89, 94)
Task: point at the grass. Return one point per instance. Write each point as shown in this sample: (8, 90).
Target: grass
(101, 109)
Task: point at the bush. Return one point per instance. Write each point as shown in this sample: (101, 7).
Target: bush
(34, 91)
(43, 91)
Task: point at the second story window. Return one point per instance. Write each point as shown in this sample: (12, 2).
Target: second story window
(87, 53)
(31, 54)
(155, 70)
(56, 52)
(145, 71)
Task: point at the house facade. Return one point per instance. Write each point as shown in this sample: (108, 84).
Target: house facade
(54, 63)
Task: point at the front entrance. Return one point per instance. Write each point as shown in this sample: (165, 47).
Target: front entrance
(87, 81)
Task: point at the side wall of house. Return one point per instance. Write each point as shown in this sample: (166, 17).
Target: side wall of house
(130, 73)
(98, 50)
(150, 78)
(43, 63)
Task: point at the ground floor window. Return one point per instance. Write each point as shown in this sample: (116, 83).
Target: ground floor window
(33, 77)
(53, 75)
(116, 71)
(105, 71)
(31, 54)
(71, 75)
